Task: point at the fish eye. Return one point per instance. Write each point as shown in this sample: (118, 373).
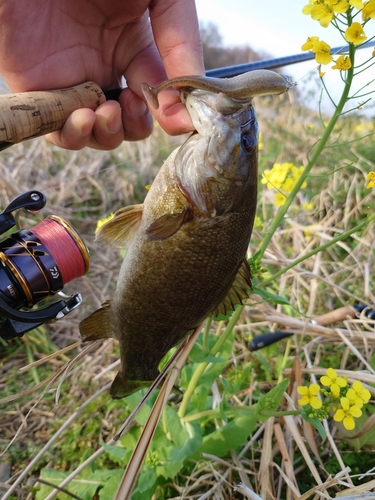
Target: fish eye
(248, 142)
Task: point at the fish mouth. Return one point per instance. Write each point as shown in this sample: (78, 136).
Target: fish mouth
(217, 102)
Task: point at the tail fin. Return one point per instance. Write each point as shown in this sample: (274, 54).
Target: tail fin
(121, 387)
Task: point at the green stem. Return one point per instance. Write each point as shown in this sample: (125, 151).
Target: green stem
(235, 410)
(315, 155)
(202, 366)
(266, 413)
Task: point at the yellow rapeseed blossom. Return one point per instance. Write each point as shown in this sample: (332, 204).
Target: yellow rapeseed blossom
(308, 45)
(358, 395)
(319, 48)
(368, 10)
(371, 179)
(322, 53)
(282, 177)
(333, 381)
(355, 34)
(310, 396)
(358, 4)
(325, 10)
(347, 413)
(322, 13)
(101, 222)
(343, 63)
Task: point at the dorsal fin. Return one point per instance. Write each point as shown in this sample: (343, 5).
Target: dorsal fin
(97, 325)
(167, 225)
(238, 292)
(121, 229)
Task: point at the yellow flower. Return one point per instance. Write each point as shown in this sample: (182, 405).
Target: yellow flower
(355, 34)
(308, 45)
(324, 10)
(282, 177)
(358, 395)
(343, 63)
(358, 4)
(279, 199)
(307, 8)
(333, 381)
(307, 206)
(310, 396)
(340, 6)
(371, 179)
(368, 10)
(101, 222)
(322, 52)
(321, 12)
(347, 413)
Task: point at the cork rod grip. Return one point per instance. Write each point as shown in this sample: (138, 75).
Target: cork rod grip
(31, 114)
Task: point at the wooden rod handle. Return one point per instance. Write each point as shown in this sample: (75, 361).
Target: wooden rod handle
(31, 114)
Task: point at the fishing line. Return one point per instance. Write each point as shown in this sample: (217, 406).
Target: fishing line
(65, 246)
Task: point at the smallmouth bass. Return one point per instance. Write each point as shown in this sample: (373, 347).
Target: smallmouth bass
(187, 243)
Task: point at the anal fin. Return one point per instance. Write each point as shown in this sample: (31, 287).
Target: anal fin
(238, 292)
(97, 325)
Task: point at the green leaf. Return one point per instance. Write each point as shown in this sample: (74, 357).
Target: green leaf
(271, 297)
(147, 479)
(110, 487)
(55, 477)
(84, 487)
(118, 453)
(315, 423)
(166, 467)
(228, 437)
(199, 355)
(175, 428)
(190, 446)
(271, 401)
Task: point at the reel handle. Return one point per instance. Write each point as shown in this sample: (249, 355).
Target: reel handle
(31, 114)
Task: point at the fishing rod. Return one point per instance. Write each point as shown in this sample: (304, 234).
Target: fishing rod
(278, 62)
(28, 115)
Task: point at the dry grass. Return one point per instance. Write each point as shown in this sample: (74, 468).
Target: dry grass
(284, 458)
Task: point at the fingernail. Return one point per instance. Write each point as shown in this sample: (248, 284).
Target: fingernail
(114, 124)
(137, 107)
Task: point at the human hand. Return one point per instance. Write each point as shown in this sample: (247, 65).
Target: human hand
(47, 45)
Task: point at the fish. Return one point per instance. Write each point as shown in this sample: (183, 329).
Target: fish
(187, 242)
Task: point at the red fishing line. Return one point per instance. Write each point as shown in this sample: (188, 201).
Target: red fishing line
(65, 245)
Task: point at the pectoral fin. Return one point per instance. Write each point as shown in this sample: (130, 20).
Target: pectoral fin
(238, 292)
(97, 325)
(168, 225)
(120, 230)
(121, 387)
